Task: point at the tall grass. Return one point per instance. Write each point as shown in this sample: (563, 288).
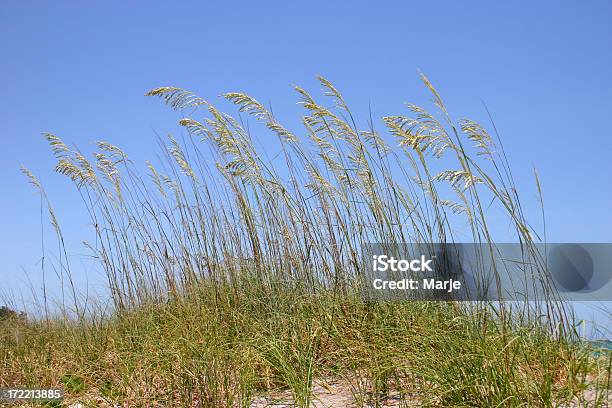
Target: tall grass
(302, 220)
(232, 274)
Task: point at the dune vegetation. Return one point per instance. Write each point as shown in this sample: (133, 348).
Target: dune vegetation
(234, 275)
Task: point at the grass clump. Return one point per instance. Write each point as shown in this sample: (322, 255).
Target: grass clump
(229, 351)
(232, 276)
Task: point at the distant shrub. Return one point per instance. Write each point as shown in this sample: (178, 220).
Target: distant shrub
(6, 313)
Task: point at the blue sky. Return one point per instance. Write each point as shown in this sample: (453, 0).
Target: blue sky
(80, 70)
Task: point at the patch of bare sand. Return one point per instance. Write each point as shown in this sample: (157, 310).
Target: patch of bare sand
(335, 394)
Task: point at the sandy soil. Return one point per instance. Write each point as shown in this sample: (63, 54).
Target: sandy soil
(331, 394)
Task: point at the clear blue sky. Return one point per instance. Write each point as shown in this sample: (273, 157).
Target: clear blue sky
(80, 70)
